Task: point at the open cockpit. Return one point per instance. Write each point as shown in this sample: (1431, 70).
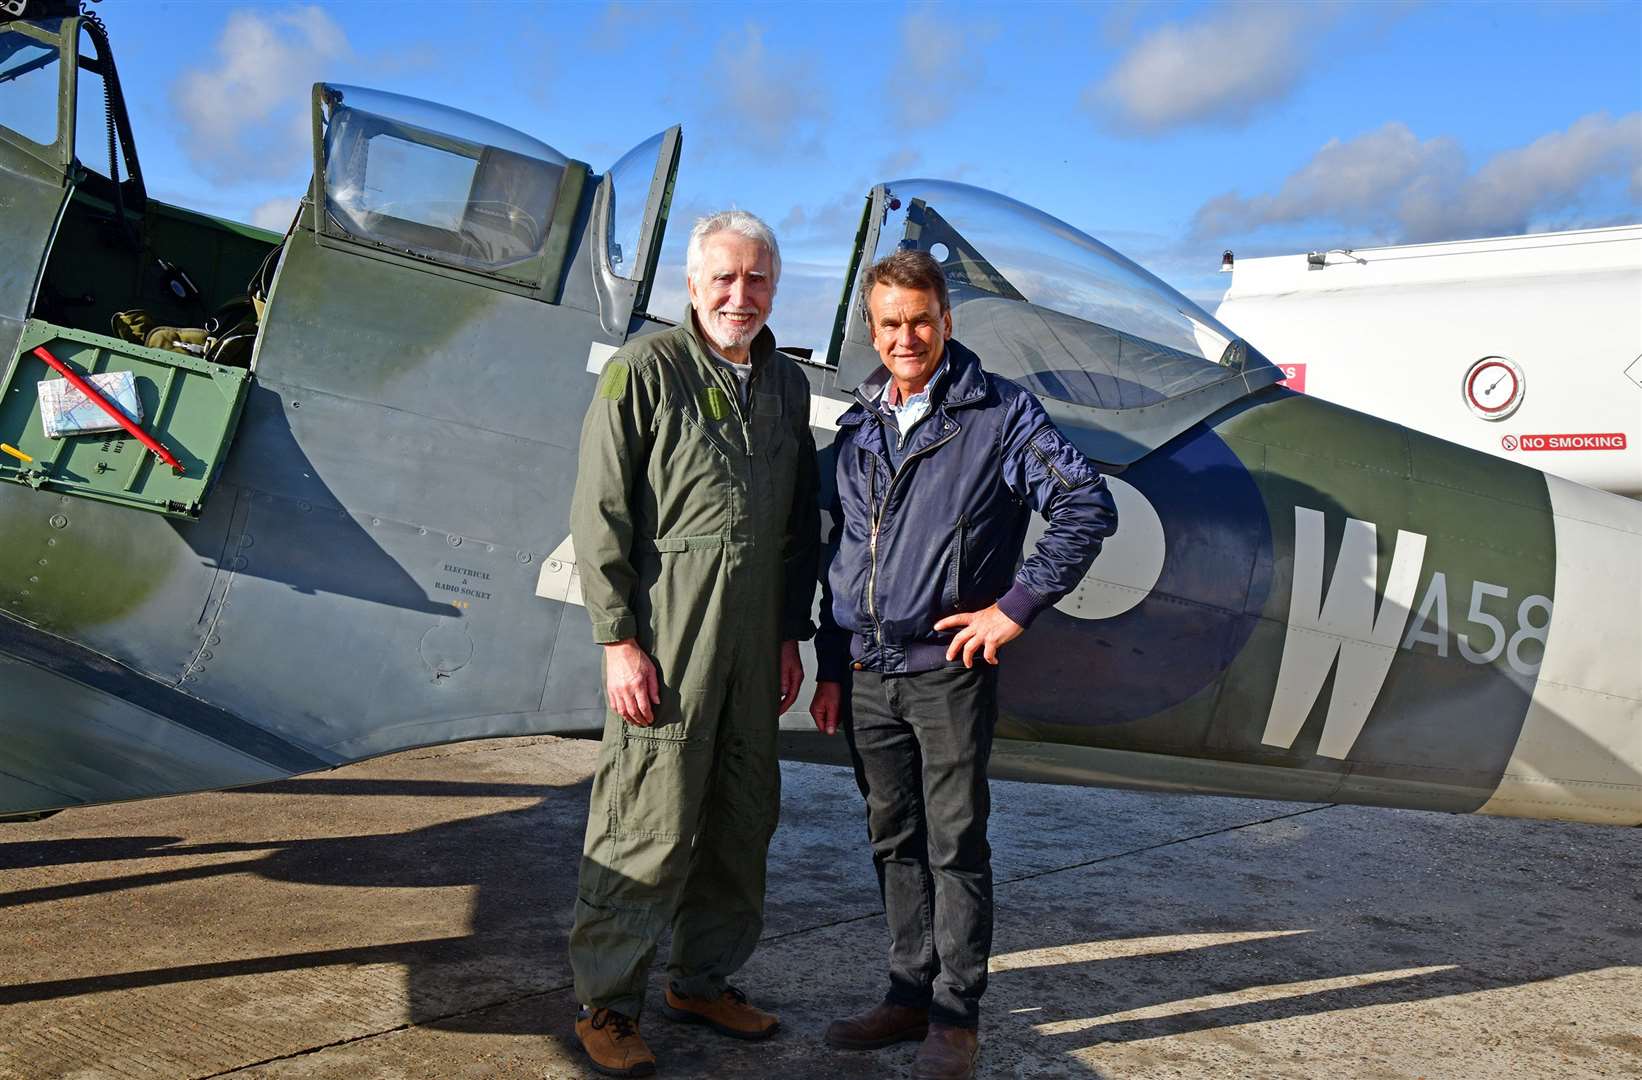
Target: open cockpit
(1121, 359)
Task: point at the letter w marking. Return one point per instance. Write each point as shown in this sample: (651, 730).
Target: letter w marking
(1344, 625)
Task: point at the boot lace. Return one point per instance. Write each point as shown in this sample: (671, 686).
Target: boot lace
(620, 1023)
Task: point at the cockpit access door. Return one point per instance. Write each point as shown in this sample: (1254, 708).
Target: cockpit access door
(1122, 361)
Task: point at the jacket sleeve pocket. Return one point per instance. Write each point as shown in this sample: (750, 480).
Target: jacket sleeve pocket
(1061, 461)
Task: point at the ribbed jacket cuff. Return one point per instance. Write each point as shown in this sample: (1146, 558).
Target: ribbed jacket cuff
(613, 630)
(832, 655)
(1022, 604)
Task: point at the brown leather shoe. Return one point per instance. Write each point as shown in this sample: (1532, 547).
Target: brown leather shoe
(728, 1014)
(948, 1053)
(882, 1025)
(614, 1044)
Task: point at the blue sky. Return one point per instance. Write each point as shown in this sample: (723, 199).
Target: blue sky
(1168, 130)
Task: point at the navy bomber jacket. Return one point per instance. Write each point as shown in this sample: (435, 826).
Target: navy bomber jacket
(944, 534)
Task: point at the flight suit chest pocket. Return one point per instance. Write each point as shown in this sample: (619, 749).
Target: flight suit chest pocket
(770, 426)
(778, 446)
(706, 419)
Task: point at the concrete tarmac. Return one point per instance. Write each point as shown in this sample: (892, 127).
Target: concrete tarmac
(406, 918)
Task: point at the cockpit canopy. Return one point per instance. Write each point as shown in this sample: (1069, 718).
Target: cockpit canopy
(430, 180)
(1063, 314)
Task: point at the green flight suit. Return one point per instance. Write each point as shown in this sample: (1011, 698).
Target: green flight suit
(696, 528)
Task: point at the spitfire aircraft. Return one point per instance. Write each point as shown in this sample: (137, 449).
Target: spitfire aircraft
(362, 545)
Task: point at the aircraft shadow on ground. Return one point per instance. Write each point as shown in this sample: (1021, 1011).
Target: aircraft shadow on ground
(521, 865)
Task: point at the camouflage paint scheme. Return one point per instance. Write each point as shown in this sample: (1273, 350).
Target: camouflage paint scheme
(382, 564)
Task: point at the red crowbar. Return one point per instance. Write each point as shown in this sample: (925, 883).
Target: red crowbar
(96, 396)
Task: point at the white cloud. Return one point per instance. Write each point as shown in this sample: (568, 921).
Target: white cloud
(900, 163)
(275, 214)
(835, 221)
(938, 60)
(1367, 177)
(1548, 174)
(1220, 68)
(245, 111)
(1388, 184)
(774, 97)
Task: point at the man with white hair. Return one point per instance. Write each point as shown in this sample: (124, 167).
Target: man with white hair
(695, 525)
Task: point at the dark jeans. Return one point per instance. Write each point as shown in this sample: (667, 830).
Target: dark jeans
(921, 744)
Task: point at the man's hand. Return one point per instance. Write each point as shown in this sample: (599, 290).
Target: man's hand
(986, 631)
(827, 706)
(630, 682)
(792, 674)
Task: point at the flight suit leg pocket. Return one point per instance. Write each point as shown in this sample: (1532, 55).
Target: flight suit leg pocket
(661, 778)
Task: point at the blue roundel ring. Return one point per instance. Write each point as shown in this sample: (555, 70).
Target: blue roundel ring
(1191, 626)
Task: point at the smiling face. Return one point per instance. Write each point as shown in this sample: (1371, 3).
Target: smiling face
(910, 332)
(732, 292)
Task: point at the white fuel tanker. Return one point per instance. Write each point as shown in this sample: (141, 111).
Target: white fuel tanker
(1528, 347)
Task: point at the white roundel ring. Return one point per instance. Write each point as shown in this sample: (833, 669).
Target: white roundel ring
(1130, 562)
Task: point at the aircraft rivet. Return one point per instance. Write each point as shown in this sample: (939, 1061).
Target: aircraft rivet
(43, 562)
(213, 640)
(34, 579)
(490, 547)
(421, 532)
(190, 678)
(453, 540)
(376, 521)
(205, 655)
(51, 543)
(58, 521)
(22, 593)
(306, 506)
(524, 557)
(553, 565)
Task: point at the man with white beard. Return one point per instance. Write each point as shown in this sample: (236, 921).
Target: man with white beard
(695, 526)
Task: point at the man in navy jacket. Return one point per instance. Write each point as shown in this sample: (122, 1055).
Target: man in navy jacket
(939, 466)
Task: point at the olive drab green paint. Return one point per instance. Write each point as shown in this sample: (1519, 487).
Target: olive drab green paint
(1472, 539)
(401, 474)
(695, 523)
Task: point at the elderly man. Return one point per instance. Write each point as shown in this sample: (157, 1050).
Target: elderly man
(938, 464)
(695, 526)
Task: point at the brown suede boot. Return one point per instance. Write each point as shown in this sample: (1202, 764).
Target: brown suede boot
(614, 1044)
(882, 1025)
(948, 1053)
(728, 1014)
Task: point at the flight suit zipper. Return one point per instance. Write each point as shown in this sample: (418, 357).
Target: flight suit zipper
(740, 409)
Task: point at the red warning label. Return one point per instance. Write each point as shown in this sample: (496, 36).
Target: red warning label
(1294, 377)
(1610, 440)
